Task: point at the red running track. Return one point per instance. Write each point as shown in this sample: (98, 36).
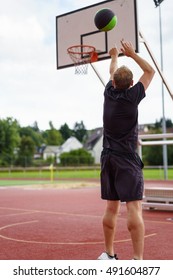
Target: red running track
(54, 224)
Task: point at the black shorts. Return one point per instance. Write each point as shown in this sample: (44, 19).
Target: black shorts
(121, 176)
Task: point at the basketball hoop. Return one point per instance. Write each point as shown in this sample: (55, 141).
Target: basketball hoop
(82, 55)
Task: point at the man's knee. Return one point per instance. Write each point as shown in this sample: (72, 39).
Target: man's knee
(113, 207)
(134, 215)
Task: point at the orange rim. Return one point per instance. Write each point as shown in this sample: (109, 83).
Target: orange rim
(74, 49)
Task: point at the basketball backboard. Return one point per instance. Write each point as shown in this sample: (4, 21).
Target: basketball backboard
(78, 28)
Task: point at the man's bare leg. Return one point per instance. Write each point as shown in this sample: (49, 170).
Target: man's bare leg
(136, 227)
(109, 225)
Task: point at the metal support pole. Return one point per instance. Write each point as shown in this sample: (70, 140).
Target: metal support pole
(103, 83)
(165, 156)
(156, 64)
(160, 71)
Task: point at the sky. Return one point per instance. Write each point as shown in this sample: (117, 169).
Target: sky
(32, 89)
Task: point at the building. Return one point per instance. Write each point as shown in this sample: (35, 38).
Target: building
(70, 144)
(94, 144)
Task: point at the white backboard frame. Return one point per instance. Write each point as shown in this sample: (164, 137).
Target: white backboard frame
(77, 28)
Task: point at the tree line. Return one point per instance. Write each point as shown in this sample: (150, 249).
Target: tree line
(18, 144)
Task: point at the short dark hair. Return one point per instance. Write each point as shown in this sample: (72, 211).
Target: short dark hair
(123, 77)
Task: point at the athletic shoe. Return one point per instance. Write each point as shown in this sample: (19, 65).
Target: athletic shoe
(106, 256)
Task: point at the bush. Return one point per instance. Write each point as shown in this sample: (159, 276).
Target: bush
(76, 157)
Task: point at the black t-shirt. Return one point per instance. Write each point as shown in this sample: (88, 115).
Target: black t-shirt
(120, 117)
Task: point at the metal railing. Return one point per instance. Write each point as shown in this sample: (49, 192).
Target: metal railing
(163, 141)
(157, 198)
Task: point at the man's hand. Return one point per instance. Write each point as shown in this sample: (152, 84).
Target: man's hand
(148, 71)
(127, 48)
(114, 52)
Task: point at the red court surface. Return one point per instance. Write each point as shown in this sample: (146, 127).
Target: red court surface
(65, 224)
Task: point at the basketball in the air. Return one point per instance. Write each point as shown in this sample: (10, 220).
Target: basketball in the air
(105, 20)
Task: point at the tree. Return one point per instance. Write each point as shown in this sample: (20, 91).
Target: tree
(152, 155)
(80, 131)
(65, 131)
(52, 136)
(26, 151)
(35, 127)
(169, 123)
(170, 155)
(158, 124)
(9, 140)
(31, 132)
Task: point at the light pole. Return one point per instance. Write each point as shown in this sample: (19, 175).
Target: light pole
(165, 157)
(157, 2)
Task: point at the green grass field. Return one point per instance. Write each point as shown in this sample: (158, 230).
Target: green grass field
(157, 174)
(57, 174)
(33, 176)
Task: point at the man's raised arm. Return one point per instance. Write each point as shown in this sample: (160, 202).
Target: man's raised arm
(114, 62)
(148, 71)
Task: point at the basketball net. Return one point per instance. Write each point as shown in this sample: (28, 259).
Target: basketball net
(82, 55)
